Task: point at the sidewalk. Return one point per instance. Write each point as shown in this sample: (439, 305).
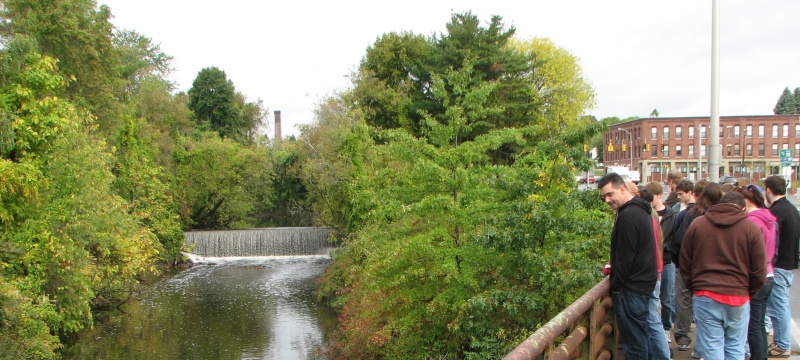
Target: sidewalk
(687, 355)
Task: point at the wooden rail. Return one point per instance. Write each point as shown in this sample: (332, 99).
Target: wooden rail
(588, 324)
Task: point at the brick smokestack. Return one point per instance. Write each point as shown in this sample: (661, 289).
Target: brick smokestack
(277, 127)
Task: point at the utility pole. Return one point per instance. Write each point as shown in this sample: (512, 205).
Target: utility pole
(714, 151)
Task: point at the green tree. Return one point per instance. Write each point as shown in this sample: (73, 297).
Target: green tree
(797, 99)
(80, 36)
(427, 257)
(65, 237)
(141, 183)
(558, 83)
(140, 59)
(162, 118)
(287, 203)
(254, 117)
(389, 86)
(786, 103)
(212, 98)
(332, 158)
(398, 73)
(217, 182)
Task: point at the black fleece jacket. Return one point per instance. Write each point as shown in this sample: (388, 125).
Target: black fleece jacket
(633, 252)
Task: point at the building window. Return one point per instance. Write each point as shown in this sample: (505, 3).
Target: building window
(797, 130)
(678, 150)
(785, 130)
(666, 132)
(736, 131)
(703, 132)
(748, 149)
(736, 150)
(691, 132)
(654, 133)
(654, 150)
(678, 132)
(721, 132)
(702, 150)
(761, 149)
(761, 130)
(774, 149)
(796, 149)
(775, 130)
(785, 146)
(665, 150)
(748, 131)
(691, 150)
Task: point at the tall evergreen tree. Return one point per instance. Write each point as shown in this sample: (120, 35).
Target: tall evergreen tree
(797, 100)
(786, 103)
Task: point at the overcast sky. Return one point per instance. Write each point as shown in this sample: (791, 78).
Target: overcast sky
(638, 55)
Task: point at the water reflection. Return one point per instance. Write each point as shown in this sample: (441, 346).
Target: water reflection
(223, 308)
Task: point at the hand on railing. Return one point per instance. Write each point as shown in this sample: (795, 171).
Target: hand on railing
(607, 269)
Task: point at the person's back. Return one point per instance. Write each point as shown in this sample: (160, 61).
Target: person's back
(778, 308)
(723, 264)
(725, 253)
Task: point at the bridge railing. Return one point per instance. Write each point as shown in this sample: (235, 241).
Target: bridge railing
(588, 324)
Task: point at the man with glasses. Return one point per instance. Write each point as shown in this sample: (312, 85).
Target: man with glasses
(633, 265)
(778, 308)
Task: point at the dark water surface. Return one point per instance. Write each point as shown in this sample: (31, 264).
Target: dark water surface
(222, 308)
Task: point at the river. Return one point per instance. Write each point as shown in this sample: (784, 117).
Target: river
(221, 308)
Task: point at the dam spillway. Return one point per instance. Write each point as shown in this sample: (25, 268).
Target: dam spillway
(259, 242)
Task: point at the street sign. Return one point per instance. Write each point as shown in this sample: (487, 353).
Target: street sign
(786, 157)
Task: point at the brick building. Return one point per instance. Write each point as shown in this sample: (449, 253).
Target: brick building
(750, 145)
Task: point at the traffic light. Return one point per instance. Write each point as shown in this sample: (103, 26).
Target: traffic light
(644, 147)
(647, 147)
(585, 147)
(610, 147)
(624, 148)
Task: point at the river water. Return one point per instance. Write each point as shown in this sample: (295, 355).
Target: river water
(222, 308)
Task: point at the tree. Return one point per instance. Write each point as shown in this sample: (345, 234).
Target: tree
(212, 98)
(140, 59)
(80, 37)
(334, 147)
(254, 117)
(397, 76)
(797, 99)
(558, 83)
(434, 242)
(654, 113)
(786, 103)
(389, 85)
(217, 182)
(67, 242)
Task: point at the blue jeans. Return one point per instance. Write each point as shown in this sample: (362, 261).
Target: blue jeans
(778, 308)
(631, 310)
(668, 296)
(756, 332)
(721, 329)
(655, 330)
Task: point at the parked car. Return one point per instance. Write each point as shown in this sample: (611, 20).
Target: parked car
(591, 179)
(729, 180)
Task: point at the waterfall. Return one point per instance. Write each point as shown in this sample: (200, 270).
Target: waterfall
(259, 242)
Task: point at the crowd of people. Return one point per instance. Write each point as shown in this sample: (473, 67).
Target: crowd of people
(716, 255)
